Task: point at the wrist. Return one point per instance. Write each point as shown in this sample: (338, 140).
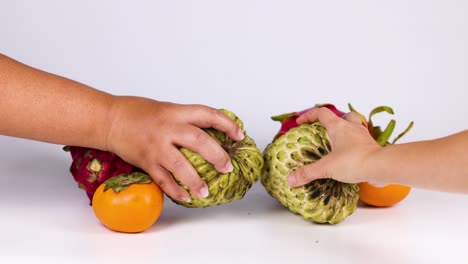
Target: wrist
(374, 168)
(105, 134)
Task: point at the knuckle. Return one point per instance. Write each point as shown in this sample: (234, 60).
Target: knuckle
(215, 112)
(323, 111)
(163, 183)
(218, 114)
(194, 182)
(224, 157)
(221, 159)
(169, 186)
(186, 173)
(217, 153)
(199, 137)
(178, 163)
(205, 109)
(233, 126)
(323, 114)
(196, 186)
(352, 115)
(310, 113)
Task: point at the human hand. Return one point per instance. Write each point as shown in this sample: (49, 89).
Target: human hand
(351, 145)
(148, 133)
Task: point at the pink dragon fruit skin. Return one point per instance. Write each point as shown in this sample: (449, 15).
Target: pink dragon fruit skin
(85, 178)
(91, 167)
(288, 120)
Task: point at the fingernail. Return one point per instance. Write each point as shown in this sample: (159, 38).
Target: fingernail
(240, 134)
(292, 180)
(186, 199)
(204, 192)
(228, 166)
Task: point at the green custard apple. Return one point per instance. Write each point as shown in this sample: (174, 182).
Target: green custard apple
(321, 201)
(223, 188)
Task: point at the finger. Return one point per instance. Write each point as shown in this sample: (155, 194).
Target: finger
(353, 118)
(199, 141)
(181, 168)
(205, 117)
(311, 172)
(166, 182)
(322, 114)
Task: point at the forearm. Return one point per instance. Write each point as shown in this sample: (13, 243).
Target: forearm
(45, 107)
(440, 164)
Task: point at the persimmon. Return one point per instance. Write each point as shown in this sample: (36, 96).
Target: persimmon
(129, 203)
(382, 196)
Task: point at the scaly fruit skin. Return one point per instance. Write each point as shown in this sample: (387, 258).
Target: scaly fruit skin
(91, 167)
(321, 201)
(223, 188)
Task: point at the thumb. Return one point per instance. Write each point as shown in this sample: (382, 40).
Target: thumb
(321, 169)
(354, 118)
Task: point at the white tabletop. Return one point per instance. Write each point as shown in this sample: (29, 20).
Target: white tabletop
(44, 215)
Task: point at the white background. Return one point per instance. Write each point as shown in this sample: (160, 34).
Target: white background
(256, 58)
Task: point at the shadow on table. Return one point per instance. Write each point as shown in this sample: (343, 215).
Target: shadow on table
(256, 203)
(36, 177)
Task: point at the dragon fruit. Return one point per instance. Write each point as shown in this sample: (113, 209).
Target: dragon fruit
(91, 167)
(323, 200)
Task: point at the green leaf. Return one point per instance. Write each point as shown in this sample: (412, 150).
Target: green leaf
(123, 181)
(283, 117)
(377, 110)
(383, 138)
(351, 108)
(403, 133)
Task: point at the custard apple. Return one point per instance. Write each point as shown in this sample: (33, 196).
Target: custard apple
(321, 201)
(223, 188)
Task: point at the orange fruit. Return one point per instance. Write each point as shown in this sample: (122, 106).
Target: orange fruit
(129, 203)
(382, 196)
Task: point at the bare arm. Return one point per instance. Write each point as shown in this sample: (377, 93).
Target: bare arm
(147, 133)
(42, 106)
(440, 164)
